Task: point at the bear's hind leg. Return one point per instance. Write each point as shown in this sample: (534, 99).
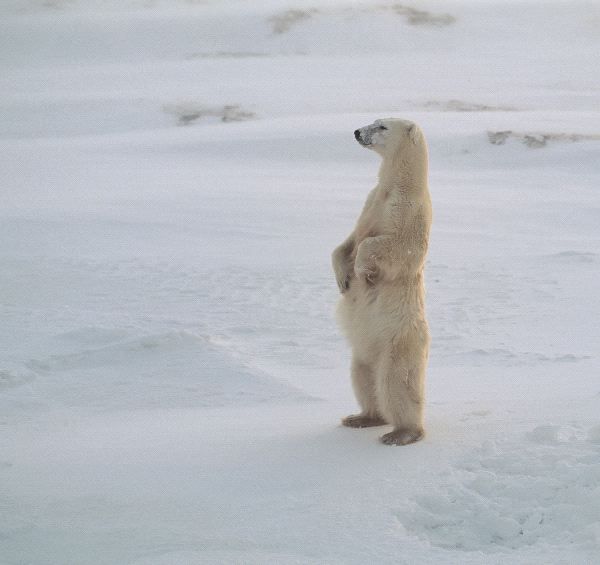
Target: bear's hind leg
(363, 382)
(400, 392)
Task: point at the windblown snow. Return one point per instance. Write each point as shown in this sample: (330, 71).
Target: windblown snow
(174, 176)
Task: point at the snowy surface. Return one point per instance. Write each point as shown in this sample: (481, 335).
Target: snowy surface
(173, 178)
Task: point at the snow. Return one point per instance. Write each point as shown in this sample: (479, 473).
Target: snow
(174, 176)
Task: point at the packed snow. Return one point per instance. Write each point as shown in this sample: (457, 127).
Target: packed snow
(174, 175)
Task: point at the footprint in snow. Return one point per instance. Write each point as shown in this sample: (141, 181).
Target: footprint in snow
(535, 496)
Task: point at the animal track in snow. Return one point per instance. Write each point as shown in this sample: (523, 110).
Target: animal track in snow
(594, 434)
(284, 21)
(475, 414)
(226, 55)
(189, 112)
(507, 497)
(574, 257)
(13, 378)
(461, 106)
(421, 17)
(537, 140)
(511, 358)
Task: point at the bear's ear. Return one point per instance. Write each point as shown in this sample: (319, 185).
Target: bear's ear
(414, 133)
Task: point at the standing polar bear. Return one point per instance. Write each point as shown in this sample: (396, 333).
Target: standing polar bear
(379, 271)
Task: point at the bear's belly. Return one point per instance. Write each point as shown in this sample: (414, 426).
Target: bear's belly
(371, 316)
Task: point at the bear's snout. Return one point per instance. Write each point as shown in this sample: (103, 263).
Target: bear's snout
(357, 134)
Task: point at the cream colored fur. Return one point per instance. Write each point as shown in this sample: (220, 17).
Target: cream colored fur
(379, 270)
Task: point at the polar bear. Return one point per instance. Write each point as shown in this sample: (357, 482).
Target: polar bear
(379, 271)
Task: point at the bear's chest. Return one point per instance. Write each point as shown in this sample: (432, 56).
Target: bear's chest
(381, 217)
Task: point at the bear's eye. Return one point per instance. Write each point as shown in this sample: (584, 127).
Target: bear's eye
(382, 127)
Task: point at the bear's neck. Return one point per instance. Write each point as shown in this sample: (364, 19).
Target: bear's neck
(404, 173)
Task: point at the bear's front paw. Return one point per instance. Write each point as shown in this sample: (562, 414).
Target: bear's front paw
(343, 282)
(365, 264)
(367, 272)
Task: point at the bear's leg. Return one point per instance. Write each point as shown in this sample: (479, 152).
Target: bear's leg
(363, 382)
(400, 391)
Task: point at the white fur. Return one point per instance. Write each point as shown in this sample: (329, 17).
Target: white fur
(379, 270)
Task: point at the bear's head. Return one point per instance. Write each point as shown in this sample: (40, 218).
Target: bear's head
(390, 136)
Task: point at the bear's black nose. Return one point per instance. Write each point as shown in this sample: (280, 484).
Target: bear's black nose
(357, 134)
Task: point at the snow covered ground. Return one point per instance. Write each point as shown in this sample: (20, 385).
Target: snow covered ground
(173, 178)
